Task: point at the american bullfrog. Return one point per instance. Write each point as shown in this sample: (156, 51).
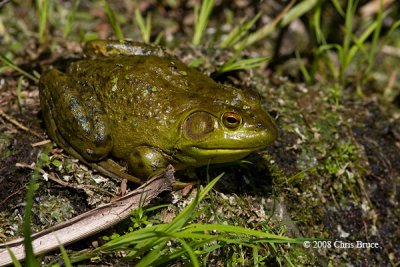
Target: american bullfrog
(136, 103)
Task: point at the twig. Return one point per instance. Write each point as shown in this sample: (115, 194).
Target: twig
(18, 125)
(41, 143)
(63, 183)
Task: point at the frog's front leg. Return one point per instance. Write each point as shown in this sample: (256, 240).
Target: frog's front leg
(147, 161)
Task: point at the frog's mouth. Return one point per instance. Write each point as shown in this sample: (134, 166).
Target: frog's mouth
(221, 152)
(203, 156)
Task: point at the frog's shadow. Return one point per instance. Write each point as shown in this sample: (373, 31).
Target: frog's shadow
(252, 178)
(62, 64)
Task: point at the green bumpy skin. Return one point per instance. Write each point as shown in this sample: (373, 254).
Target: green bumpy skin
(139, 104)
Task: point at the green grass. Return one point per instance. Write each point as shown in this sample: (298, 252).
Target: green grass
(362, 47)
(15, 261)
(265, 31)
(30, 258)
(19, 93)
(148, 246)
(234, 64)
(65, 256)
(239, 32)
(113, 21)
(7, 62)
(201, 16)
(70, 19)
(241, 38)
(42, 8)
(144, 27)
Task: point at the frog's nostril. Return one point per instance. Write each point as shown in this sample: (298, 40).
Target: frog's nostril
(260, 125)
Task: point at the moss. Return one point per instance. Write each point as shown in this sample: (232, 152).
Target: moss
(5, 141)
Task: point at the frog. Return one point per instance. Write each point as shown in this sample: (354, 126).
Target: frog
(138, 104)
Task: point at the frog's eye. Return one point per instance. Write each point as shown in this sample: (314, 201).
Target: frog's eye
(231, 120)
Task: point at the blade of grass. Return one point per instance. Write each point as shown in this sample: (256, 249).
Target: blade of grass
(151, 256)
(316, 19)
(161, 261)
(196, 62)
(201, 20)
(71, 18)
(256, 258)
(203, 237)
(185, 215)
(303, 68)
(10, 64)
(375, 39)
(141, 250)
(113, 21)
(338, 7)
(297, 11)
(14, 259)
(42, 7)
(30, 259)
(193, 258)
(393, 27)
(154, 255)
(132, 238)
(65, 257)
(145, 28)
(242, 64)
(239, 31)
(322, 50)
(158, 38)
(158, 207)
(19, 93)
(359, 43)
(232, 229)
(344, 56)
(266, 30)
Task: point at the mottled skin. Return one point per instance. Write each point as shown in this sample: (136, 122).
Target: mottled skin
(139, 104)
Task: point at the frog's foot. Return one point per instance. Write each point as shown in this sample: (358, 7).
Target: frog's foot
(147, 161)
(112, 169)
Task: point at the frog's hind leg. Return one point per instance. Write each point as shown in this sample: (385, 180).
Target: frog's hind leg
(106, 167)
(74, 117)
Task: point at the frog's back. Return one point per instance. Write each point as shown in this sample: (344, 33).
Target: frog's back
(145, 94)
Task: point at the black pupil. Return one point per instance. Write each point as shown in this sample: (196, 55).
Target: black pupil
(231, 119)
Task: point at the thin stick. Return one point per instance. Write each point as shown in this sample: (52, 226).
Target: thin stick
(18, 125)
